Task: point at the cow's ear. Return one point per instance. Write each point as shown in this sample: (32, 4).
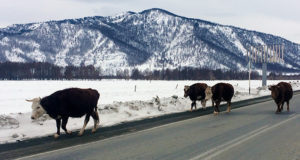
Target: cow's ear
(186, 87)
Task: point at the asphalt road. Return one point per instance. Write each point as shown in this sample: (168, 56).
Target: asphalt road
(252, 132)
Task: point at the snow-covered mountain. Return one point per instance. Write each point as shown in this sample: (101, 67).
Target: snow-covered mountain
(151, 39)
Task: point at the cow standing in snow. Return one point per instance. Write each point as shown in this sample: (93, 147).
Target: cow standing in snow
(282, 92)
(196, 92)
(220, 92)
(72, 102)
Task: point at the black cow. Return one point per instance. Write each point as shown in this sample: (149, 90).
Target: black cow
(71, 102)
(220, 92)
(282, 92)
(196, 92)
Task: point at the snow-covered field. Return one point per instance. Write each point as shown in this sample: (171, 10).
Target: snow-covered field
(118, 102)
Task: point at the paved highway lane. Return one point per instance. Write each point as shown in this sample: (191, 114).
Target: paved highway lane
(253, 132)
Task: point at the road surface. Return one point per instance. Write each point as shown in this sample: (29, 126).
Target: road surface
(252, 132)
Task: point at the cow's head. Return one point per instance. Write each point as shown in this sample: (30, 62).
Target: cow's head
(275, 89)
(186, 91)
(208, 93)
(203, 103)
(37, 109)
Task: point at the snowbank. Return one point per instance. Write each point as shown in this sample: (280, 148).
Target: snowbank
(118, 102)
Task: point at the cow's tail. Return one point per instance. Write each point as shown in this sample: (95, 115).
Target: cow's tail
(98, 96)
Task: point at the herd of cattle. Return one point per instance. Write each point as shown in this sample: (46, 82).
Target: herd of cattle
(217, 93)
(76, 102)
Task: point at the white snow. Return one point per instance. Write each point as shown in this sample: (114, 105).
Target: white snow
(4, 41)
(120, 17)
(35, 26)
(36, 55)
(118, 102)
(60, 58)
(258, 40)
(233, 37)
(239, 45)
(30, 43)
(14, 56)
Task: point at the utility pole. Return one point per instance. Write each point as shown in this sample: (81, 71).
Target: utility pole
(249, 76)
(264, 74)
(249, 65)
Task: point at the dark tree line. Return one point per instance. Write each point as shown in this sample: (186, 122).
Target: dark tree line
(193, 74)
(38, 70)
(280, 76)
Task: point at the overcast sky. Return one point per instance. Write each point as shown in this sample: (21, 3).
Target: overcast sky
(278, 17)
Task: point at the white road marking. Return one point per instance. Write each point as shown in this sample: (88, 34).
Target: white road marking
(239, 140)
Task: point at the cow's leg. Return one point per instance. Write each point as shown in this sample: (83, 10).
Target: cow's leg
(216, 112)
(192, 105)
(64, 124)
(281, 107)
(58, 122)
(203, 102)
(278, 108)
(218, 105)
(214, 106)
(228, 106)
(96, 121)
(288, 105)
(86, 120)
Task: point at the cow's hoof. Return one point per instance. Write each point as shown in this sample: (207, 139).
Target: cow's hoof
(80, 133)
(94, 130)
(216, 113)
(277, 112)
(227, 111)
(204, 108)
(56, 135)
(69, 132)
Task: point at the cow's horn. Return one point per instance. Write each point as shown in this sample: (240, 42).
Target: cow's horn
(33, 100)
(29, 100)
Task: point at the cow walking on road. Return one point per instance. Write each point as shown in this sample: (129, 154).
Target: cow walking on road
(282, 92)
(71, 102)
(196, 92)
(220, 92)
